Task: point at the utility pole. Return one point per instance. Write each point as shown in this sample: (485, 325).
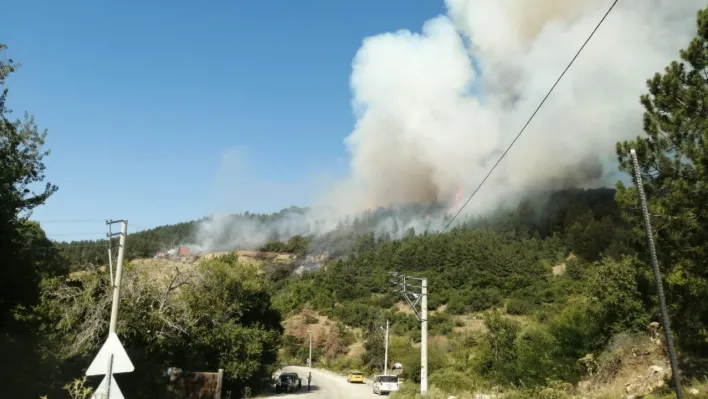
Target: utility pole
(309, 359)
(424, 337)
(386, 351)
(413, 298)
(657, 276)
(119, 270)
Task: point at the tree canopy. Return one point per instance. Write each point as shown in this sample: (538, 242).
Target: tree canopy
(21, 168)
(673, 157)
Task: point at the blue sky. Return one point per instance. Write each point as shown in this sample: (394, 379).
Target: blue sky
(161, 112)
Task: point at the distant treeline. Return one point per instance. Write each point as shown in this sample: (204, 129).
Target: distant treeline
(543, 215)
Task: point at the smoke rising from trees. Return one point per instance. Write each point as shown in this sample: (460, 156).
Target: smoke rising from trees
(434, 110)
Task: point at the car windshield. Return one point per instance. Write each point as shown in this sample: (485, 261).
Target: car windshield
(388, 378)
(284, 378)
(355, 374)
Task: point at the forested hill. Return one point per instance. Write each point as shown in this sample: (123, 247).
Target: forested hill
(587, 220)
(142, 244)
(146, 243)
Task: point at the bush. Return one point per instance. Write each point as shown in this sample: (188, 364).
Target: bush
(554, 390)
(535, 360)
(617, 302)
(441, 324)
(341, 363)
(466, 301)
(576, 331)
(518, 307)
(451, 381)
(348, 337)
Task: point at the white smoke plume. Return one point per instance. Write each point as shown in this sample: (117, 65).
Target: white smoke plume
(436, 109)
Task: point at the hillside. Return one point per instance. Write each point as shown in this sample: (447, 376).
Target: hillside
(543, 214)
(553, 297)
(541, 266)
(147, 243)
(552, 283)
(536, 282)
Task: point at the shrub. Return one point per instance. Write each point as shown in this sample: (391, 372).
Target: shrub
(451, 381)
(518, 307)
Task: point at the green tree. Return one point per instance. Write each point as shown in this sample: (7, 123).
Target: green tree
(673, 156)
(235, 326)
(26, 255)
(498, 355)
(21, 169)
(535, 360)
(616, 301)
(217, 315)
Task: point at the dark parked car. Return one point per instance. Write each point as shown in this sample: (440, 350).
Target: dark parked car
(288, 382)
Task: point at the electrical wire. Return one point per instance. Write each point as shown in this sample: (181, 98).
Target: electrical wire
(69, 221)
(614, 3)
(68, 245)
(79, 234)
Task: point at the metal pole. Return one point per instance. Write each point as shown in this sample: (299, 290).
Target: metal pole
(119, 276)
(386, 351)
(657, 277)
(424, 337)
(109, 376)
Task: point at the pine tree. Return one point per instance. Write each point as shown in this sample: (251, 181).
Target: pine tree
(674, 163)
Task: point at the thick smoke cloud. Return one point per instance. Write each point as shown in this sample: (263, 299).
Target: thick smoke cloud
(436, 109)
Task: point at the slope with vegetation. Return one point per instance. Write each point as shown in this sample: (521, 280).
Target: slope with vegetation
(550, 299)
(503, 266)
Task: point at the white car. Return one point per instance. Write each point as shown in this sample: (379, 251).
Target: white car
(385, 384)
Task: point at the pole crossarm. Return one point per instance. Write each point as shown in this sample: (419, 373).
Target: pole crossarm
(413, 305)
(400, 284)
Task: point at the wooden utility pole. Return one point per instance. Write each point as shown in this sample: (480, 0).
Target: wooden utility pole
(119, 271)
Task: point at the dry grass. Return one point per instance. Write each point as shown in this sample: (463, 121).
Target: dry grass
(559, 270)
(470, 323)
(297, 325)
(356, 350)
(403, 307)
(475, 323)
(627, 358)
(161, 269)
(440, 309)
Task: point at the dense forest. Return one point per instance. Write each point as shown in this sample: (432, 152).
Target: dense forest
(544, 214)
(555, 279)
(498, 262)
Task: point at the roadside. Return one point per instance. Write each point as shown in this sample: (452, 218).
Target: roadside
(325, 385)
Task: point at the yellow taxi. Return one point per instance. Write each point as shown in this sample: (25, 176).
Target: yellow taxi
(355, 376)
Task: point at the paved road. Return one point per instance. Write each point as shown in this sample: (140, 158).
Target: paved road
(326, 385)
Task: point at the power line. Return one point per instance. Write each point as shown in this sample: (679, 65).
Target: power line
(69, 245)
(77, 234)
(614, 3)
(69, 221)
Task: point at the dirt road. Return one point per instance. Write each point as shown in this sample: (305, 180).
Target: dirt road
(325, 385)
